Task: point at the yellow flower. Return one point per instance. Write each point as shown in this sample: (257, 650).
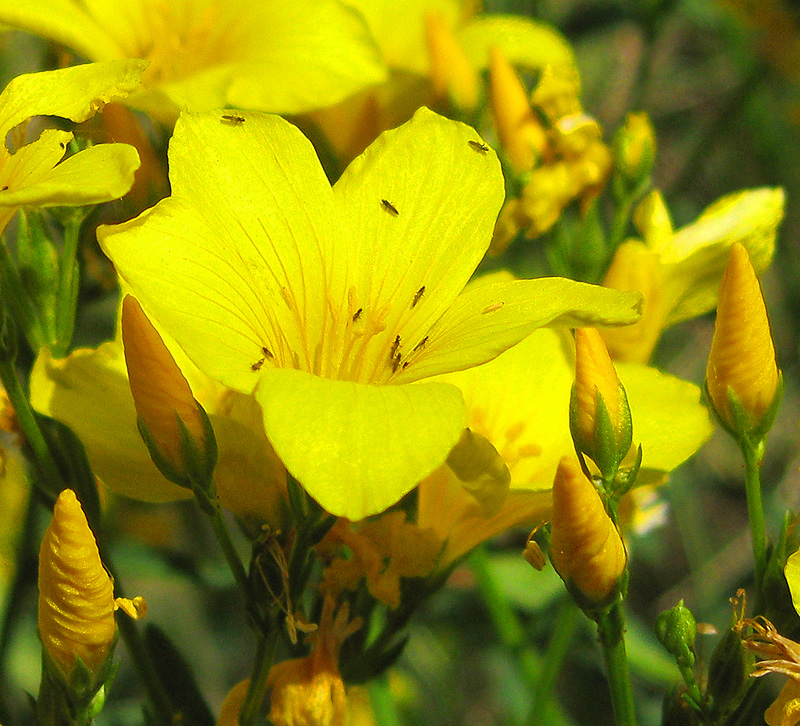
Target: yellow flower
(34, 174)
(334, 304)
(585, 547)
(204, 54)
(678, 272)
(420, 40)
(742, 357)
(76, 596)
(519, 402)
(173, 421)
(309, 691)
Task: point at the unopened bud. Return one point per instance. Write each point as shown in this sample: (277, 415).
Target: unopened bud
(600, 418)
(585, 546)
(521, 134)
(76, 595)
(635, 148)
(451, 72)
(173, 424)
(676, 629)
(742, 377)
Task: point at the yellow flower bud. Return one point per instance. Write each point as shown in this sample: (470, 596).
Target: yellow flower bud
(558, 91)
(521, 135)
(451, 72)
(604, 436)
(742, 358)
(163, 398)
(232, 705)
(635, 147)
(585, 547)
(76, 596)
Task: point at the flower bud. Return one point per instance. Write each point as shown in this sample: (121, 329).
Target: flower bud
(585, 547)
(451, 72)
(635, 149)
(521, 135)
(76, 596)
(676, 629)
(600, 418)
(173, 424)
(742, 376)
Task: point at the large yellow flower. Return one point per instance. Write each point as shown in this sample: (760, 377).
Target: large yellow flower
(520, 403)
(286, 57)
(32, 176)
(331, 303)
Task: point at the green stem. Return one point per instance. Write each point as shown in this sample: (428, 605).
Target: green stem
(611, 631)
(232, 556)
(49, 476)
(257, 690)
(753, 452)
(68, 283)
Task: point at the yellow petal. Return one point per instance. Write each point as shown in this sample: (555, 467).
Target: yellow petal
(235, 260)
(525, 42)
(357, 449)
(792, 572)
(75, 93)
(98, 174)
(487, 319)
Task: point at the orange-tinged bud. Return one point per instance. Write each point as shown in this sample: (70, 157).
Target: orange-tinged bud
(232, 705)
(600, 418)
(451, 72)
(636, 267)
(521, 135)
(168, 412)
(585, 547)
(742, 358)
(76, 596)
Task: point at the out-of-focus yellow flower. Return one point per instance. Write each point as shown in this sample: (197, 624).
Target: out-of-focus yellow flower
(434, 50)
(604, 435)
(205, 54)
(566, 160)
(174, 424)
(742, 357)
(309, 691)
(678, 272)
(381, 551)
(76, 595)
(585, 546)
(90, 392)
(232, 705)
(33, 174)
(635, 148)
(520, 404)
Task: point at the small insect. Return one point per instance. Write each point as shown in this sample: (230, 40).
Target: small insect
(418, 296)
(267, 353)
(357, 314)
(257, 365)
(396, 363)
(389, 207)
(420, 345)
(479, 146)
(5, 188)
(494, 307)
(232, 119)
(394, 347)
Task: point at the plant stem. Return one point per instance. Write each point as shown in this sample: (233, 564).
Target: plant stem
(232, 558)
(67, 299)
(257, 689)
(611, 631)
(753, 453)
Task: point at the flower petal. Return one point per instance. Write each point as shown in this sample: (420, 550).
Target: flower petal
(65, 22)
(524, 42)
(75, 93)
(98, 174)
(699, 252)
(420, 205)
(89, 392)
(669, 420)
(317, 53)
(235, 260)
(357, 449)
(488, 318)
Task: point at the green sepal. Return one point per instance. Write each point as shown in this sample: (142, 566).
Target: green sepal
(38, 268)
(197, 465)
(728, 674)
